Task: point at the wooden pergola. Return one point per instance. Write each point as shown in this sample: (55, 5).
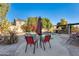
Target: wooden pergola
(68, 27)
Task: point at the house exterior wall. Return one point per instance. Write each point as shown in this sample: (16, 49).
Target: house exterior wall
(17, 27)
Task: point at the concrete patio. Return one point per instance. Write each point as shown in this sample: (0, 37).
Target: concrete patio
(58, 43)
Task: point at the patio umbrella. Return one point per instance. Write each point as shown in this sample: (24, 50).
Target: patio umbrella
(39, 29)
(39, 26)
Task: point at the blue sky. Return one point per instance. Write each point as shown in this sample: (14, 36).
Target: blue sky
(53, 11)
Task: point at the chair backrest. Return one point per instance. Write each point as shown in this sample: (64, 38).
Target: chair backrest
(29, 39)
(47, 38)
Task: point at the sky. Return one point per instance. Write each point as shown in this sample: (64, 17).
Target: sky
(53, 11)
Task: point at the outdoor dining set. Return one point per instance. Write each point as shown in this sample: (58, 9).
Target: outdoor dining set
(35, 40)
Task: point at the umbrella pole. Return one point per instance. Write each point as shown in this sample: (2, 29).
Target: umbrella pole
(40, 41)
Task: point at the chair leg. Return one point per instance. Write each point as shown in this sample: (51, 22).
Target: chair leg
(37, 44)
(34, 49)
(43, 46)
(26, 48)
(49, 45)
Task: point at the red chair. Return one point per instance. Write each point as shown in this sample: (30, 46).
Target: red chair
(30, 41)
(45, 40)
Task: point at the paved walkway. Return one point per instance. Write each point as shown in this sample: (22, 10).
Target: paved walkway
(72, 49)
(10, 50)
(58, 43)
(57, 49)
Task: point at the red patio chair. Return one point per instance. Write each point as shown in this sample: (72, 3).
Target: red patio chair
(30, 41)
(45, 40)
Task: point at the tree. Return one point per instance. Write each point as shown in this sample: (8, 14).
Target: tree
(58, 24)
(62, 24)
(63, 21)
(32, 22)
(48, 24)
(4, 7)
(5, 24)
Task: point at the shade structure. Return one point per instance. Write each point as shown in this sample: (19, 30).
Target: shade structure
(39, 29)
(39, 26)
